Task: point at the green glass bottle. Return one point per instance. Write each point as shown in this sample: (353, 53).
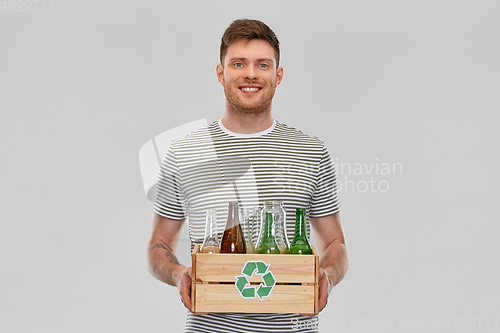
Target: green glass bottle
(300, 244)
(268, 243)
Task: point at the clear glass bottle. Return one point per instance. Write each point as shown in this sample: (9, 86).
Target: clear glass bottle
(256, 221)
(232, 239)
(300, 243)
(279, 215)
(211, 241)
(268, 244)
(247, 229)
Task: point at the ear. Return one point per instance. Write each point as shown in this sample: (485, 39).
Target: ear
(220, 73)
(279, 75)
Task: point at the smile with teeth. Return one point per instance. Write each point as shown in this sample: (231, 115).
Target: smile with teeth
(250, 89)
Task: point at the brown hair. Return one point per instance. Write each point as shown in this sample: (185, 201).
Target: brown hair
(248, 29)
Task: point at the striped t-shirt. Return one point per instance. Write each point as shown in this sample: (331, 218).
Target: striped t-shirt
(213, 166)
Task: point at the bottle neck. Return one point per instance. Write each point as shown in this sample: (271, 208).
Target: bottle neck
(212, 228)
(211, 223)
(272, 204)
(269, 226)
(232, 214)
(300, 223)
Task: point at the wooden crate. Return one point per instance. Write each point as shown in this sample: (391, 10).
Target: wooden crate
(217, 281)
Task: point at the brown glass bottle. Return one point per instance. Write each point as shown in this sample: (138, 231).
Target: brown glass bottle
(232, 239)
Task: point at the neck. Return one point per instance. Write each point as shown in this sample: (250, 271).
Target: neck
(242, 122)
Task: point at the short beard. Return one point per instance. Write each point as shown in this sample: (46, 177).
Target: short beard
(251, 110)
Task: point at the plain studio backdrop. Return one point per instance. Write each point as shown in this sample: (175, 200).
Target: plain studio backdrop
(405, 94)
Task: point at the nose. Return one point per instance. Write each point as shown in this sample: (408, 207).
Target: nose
(251, 73)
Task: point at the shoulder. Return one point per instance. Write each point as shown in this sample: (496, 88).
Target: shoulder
(289, 133)
(200, 136)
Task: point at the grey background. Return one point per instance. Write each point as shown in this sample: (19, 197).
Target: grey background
(85, 85)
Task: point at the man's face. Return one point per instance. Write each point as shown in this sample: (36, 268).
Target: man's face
(249, 75)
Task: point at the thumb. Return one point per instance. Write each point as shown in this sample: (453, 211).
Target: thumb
(324, 274)
(181, 274)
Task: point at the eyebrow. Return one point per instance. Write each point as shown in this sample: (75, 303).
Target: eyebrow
(244, 59)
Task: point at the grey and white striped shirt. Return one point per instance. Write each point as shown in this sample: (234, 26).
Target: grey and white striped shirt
(212, 166)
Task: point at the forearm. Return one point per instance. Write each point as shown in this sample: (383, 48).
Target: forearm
(163, 264)
(331, 247)
(334, 260)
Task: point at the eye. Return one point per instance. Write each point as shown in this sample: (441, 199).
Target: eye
(238, 64)
(263, 66)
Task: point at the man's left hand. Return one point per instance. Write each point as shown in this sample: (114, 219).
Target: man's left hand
(324, 289)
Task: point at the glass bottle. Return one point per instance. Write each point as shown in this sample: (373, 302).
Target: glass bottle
(257, 225)
(211, 242)
(281, 236)
(277, 210)
(300, 244)
(232, 239)
(247, 230)
(268, 243)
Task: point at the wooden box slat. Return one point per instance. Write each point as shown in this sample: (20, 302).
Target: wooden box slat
(285, 267)
(283, 299)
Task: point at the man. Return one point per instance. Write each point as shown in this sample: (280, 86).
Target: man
(248, 157)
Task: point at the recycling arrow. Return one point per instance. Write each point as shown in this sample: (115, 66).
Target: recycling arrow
(261, 267)
(263, 291)
(241, 282)
(243, 285)
(249, 268)
(268, 279)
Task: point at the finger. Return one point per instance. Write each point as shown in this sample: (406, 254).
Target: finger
(323, 292)
(186, 299)
(186, 303)
(185, 290)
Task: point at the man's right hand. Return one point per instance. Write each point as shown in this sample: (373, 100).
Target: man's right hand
(184, 286)
(163, 263)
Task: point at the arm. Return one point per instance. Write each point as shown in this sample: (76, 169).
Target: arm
(163, 263)
(332, 253)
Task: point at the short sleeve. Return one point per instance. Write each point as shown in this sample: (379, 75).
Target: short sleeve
(325, 200)
(169, 195)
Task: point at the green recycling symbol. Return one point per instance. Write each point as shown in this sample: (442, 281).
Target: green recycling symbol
(265, 287)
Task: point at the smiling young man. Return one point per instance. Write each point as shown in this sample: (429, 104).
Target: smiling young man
(248, 157)
(249, 73)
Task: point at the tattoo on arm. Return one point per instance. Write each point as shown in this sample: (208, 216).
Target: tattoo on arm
(169, 254)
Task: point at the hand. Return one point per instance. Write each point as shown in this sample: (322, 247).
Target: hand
(325, 286)
(184, 286)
